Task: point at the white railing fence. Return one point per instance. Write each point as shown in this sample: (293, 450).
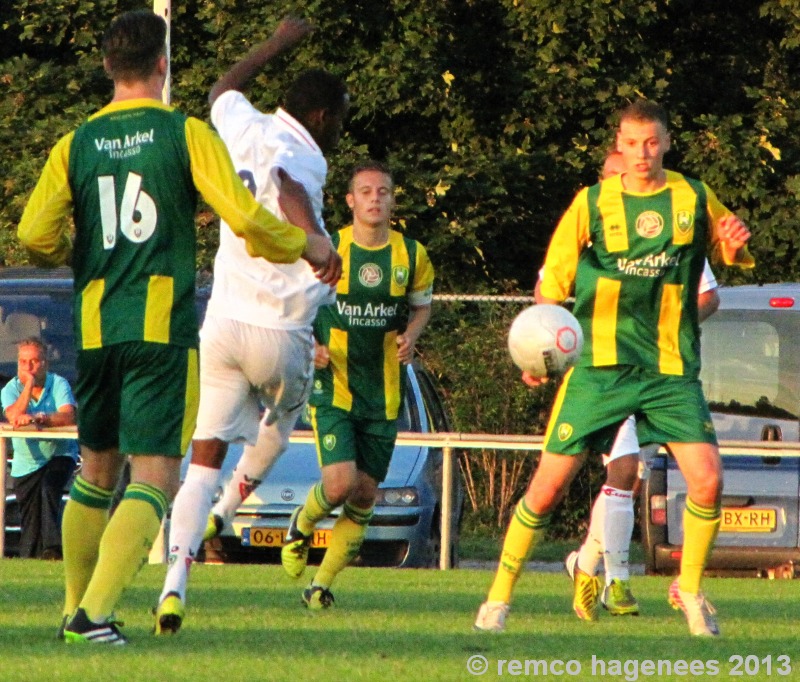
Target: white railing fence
(448, 442)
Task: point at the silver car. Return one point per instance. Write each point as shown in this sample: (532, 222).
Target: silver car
(404, 530)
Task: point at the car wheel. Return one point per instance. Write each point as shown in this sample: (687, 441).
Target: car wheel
(652, 535)
(434, 547)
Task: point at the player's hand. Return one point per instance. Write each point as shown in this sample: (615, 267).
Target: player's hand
(733, 235)
(323, 258)
(405, 349)
(322, 356)
(532, 381)
(331, 272)
(291, 31)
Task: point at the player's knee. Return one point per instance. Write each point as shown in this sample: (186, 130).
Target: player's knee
(338, 490)
(542, 497)
(706, 490)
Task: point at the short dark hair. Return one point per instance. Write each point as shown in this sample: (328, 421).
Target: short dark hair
(133, 44)
(315, 90)
(645, 110)
(370, 165)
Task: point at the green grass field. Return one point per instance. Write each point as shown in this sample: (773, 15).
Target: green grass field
(246, 623)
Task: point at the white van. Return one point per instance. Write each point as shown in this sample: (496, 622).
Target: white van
(751, 378)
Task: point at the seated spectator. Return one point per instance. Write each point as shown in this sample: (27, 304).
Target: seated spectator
(40, 468)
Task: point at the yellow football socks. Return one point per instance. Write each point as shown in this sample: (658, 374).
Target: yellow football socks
(124, 548)
(314, 510)
(525, 530)
(346, 538)
(85, 518)
(700, 528)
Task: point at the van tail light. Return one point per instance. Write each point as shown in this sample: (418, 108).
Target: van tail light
(658, 510)
(781, 302)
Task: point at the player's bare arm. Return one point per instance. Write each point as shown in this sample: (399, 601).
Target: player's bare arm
(733, 235)
(296, 204)
(707, 304)
(407, 341)
(289, 32)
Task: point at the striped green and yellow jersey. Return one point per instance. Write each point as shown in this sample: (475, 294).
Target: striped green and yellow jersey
(635, 261)
(364, 376)
(130, 178)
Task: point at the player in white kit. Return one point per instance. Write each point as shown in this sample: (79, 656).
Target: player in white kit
(256, 344)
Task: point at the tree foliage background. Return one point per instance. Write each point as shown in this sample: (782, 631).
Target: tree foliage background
(492, 113)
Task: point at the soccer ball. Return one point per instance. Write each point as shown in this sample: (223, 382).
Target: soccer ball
(545, 340)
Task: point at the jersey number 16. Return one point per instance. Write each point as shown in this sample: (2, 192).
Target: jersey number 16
(137, 212)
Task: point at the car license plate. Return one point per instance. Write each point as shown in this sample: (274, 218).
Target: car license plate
(253, 536)
(748, 520)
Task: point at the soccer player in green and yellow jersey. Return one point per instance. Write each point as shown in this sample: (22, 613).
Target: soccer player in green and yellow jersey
(633, 247)
(383, 303)
(130, 178)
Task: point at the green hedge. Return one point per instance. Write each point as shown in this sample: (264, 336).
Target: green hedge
(492, 112)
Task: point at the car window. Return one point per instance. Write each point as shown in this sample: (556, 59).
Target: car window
(750, 363)
(40, 305)
(48, 316)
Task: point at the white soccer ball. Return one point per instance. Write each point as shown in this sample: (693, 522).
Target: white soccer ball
(545, 340)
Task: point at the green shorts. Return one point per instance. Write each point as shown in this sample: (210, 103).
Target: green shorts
(138, 397)
(341, 437)
(592, 402)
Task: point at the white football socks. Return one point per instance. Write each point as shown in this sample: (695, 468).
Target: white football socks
(187, 525)
(591, 551)
(617, 530)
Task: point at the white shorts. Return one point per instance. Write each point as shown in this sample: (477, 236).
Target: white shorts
(244, 368)
(627, 443)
